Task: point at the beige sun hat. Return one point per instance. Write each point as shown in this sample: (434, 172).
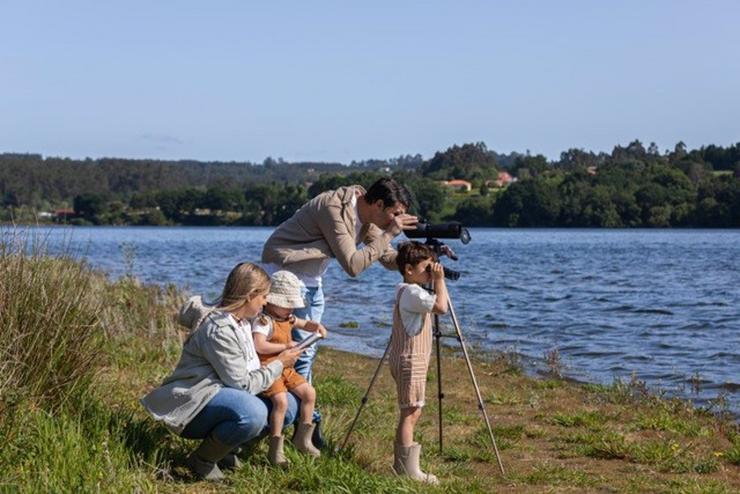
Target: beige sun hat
(286, 290)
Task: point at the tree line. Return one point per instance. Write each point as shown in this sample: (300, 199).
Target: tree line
(633, 186)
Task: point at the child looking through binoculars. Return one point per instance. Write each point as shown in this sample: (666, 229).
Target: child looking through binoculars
(411, 347)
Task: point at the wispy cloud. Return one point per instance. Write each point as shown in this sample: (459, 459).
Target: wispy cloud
(160, 139)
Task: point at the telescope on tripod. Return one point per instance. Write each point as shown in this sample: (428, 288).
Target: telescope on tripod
(432, 233)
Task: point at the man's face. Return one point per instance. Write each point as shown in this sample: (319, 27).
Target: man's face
(383, 216)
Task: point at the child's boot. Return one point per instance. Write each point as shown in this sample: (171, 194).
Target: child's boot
(302, 440)
(275, 455)
(406, 463)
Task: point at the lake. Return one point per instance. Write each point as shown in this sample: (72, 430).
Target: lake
(663, 305)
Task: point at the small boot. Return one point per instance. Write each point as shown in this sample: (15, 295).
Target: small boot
(302, 439)
(275, 455)
(203, 461)
(406, 463)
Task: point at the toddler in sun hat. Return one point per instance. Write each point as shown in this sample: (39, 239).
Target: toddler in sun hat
(271, 333)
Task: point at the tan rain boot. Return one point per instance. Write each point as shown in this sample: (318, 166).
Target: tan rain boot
(275, 455)
(406, 463)
(302, 439)
(203, 461)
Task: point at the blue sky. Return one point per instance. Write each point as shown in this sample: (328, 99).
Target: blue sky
(337, 81)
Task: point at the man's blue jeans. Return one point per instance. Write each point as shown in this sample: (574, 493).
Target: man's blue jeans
(313, 311)
(235, 416)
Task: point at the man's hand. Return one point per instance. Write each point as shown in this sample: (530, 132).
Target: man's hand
(316, 327)
(400, 223)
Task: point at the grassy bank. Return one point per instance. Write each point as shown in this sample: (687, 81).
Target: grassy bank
(81, 351)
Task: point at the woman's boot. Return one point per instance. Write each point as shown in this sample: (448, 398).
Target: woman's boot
(230, 462)
(203, 461)
(275, 455)
(302, 440)
(406, 462)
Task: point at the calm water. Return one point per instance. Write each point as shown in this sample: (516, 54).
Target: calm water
(662, 304)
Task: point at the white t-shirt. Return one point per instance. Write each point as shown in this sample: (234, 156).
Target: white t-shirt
(253, 361)
(312, 276)
(414, 305)
(265, 329)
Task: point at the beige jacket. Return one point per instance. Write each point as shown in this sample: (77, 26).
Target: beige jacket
(323, 228)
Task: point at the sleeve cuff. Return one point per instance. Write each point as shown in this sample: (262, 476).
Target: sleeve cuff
(276, 368)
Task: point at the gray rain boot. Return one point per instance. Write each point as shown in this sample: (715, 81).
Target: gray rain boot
(302, 439)
(275, 455)
(406, 463)
(230, 462)
(202, 461)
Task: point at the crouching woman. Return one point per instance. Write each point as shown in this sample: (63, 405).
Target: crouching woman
(212, 393)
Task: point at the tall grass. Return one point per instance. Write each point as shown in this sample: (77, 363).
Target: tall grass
(50, 325)
(66, 332)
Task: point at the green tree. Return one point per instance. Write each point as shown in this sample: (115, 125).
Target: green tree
(90, 206)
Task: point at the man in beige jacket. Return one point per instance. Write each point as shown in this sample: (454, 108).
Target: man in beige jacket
(333, 225)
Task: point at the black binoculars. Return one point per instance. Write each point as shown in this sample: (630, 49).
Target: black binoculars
(450, 274)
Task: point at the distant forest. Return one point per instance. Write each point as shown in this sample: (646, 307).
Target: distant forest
(633, 186)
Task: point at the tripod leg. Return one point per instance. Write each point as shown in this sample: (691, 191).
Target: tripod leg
(481, 406)
(364, 398)
(440, 395)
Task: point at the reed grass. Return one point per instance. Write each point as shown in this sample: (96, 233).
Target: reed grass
(50, 318)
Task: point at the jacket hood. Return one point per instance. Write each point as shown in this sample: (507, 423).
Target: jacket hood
(193, 312)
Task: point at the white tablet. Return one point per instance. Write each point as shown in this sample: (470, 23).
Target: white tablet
(309, 341)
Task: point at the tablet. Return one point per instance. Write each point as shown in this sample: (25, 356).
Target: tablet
(309, 341)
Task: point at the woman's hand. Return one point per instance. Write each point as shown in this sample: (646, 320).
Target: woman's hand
(288, 357)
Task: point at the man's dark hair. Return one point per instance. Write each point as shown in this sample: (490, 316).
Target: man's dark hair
(390, 192)
(413, 253)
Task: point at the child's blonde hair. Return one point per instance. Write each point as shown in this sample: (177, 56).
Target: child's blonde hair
(245, 281)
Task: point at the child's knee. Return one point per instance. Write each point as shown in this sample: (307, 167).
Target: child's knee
(305, 392)
(280, 401)
(310, 393)
(411, 413)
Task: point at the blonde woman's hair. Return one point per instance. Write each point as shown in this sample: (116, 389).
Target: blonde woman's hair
(245, 281)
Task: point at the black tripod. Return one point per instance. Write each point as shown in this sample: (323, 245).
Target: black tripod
(438, 335)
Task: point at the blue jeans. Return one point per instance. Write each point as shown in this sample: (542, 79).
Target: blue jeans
(235, 416)
(313, 311)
